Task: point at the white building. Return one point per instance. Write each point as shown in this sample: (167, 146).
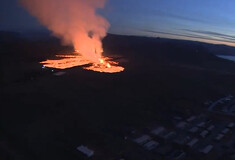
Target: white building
(88, 152)
(142, 139)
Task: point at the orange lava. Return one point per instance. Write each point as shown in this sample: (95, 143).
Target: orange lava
(105, 64)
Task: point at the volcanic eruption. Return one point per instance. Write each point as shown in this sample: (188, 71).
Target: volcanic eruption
(77, 23)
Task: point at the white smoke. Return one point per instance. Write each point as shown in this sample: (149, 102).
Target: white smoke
(74, 21)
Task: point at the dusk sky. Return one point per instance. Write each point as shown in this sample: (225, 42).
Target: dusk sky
(204, 20)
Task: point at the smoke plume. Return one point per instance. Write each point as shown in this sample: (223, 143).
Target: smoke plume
(74, 21)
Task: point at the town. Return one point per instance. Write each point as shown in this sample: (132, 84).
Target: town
(208, 135)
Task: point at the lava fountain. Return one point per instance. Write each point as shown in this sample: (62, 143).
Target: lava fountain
(77, 23)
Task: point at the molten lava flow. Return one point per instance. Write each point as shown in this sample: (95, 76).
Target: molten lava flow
(66, 62)
(103, 64)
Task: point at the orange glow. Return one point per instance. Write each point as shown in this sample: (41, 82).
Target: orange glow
(107, 66)
(104, 64)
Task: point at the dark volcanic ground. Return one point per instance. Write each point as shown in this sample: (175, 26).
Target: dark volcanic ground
(43, 116)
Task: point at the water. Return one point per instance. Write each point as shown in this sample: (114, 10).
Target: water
(232, 58)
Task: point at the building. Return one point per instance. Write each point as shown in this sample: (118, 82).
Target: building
(151, 145)
(211, 127)
(158, 130)
(231, 125)
(192, 142)
(181, 140)
(204, 133)
(193, 129)
(201, 124)
(83, 149)
(207, 149)
(164, 150)
(142, 139)
(225, 131)
(169, 135)
(59, 73)
(177, 155)
(219, 137)
(190, 119)
(181, 125)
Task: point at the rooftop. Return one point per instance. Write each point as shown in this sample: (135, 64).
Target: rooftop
(88, 152)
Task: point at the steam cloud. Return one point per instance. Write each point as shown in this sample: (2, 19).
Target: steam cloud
(74, 21)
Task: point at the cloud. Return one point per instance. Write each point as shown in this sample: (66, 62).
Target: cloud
(180, 17)
(196, 36)
(213, 34)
